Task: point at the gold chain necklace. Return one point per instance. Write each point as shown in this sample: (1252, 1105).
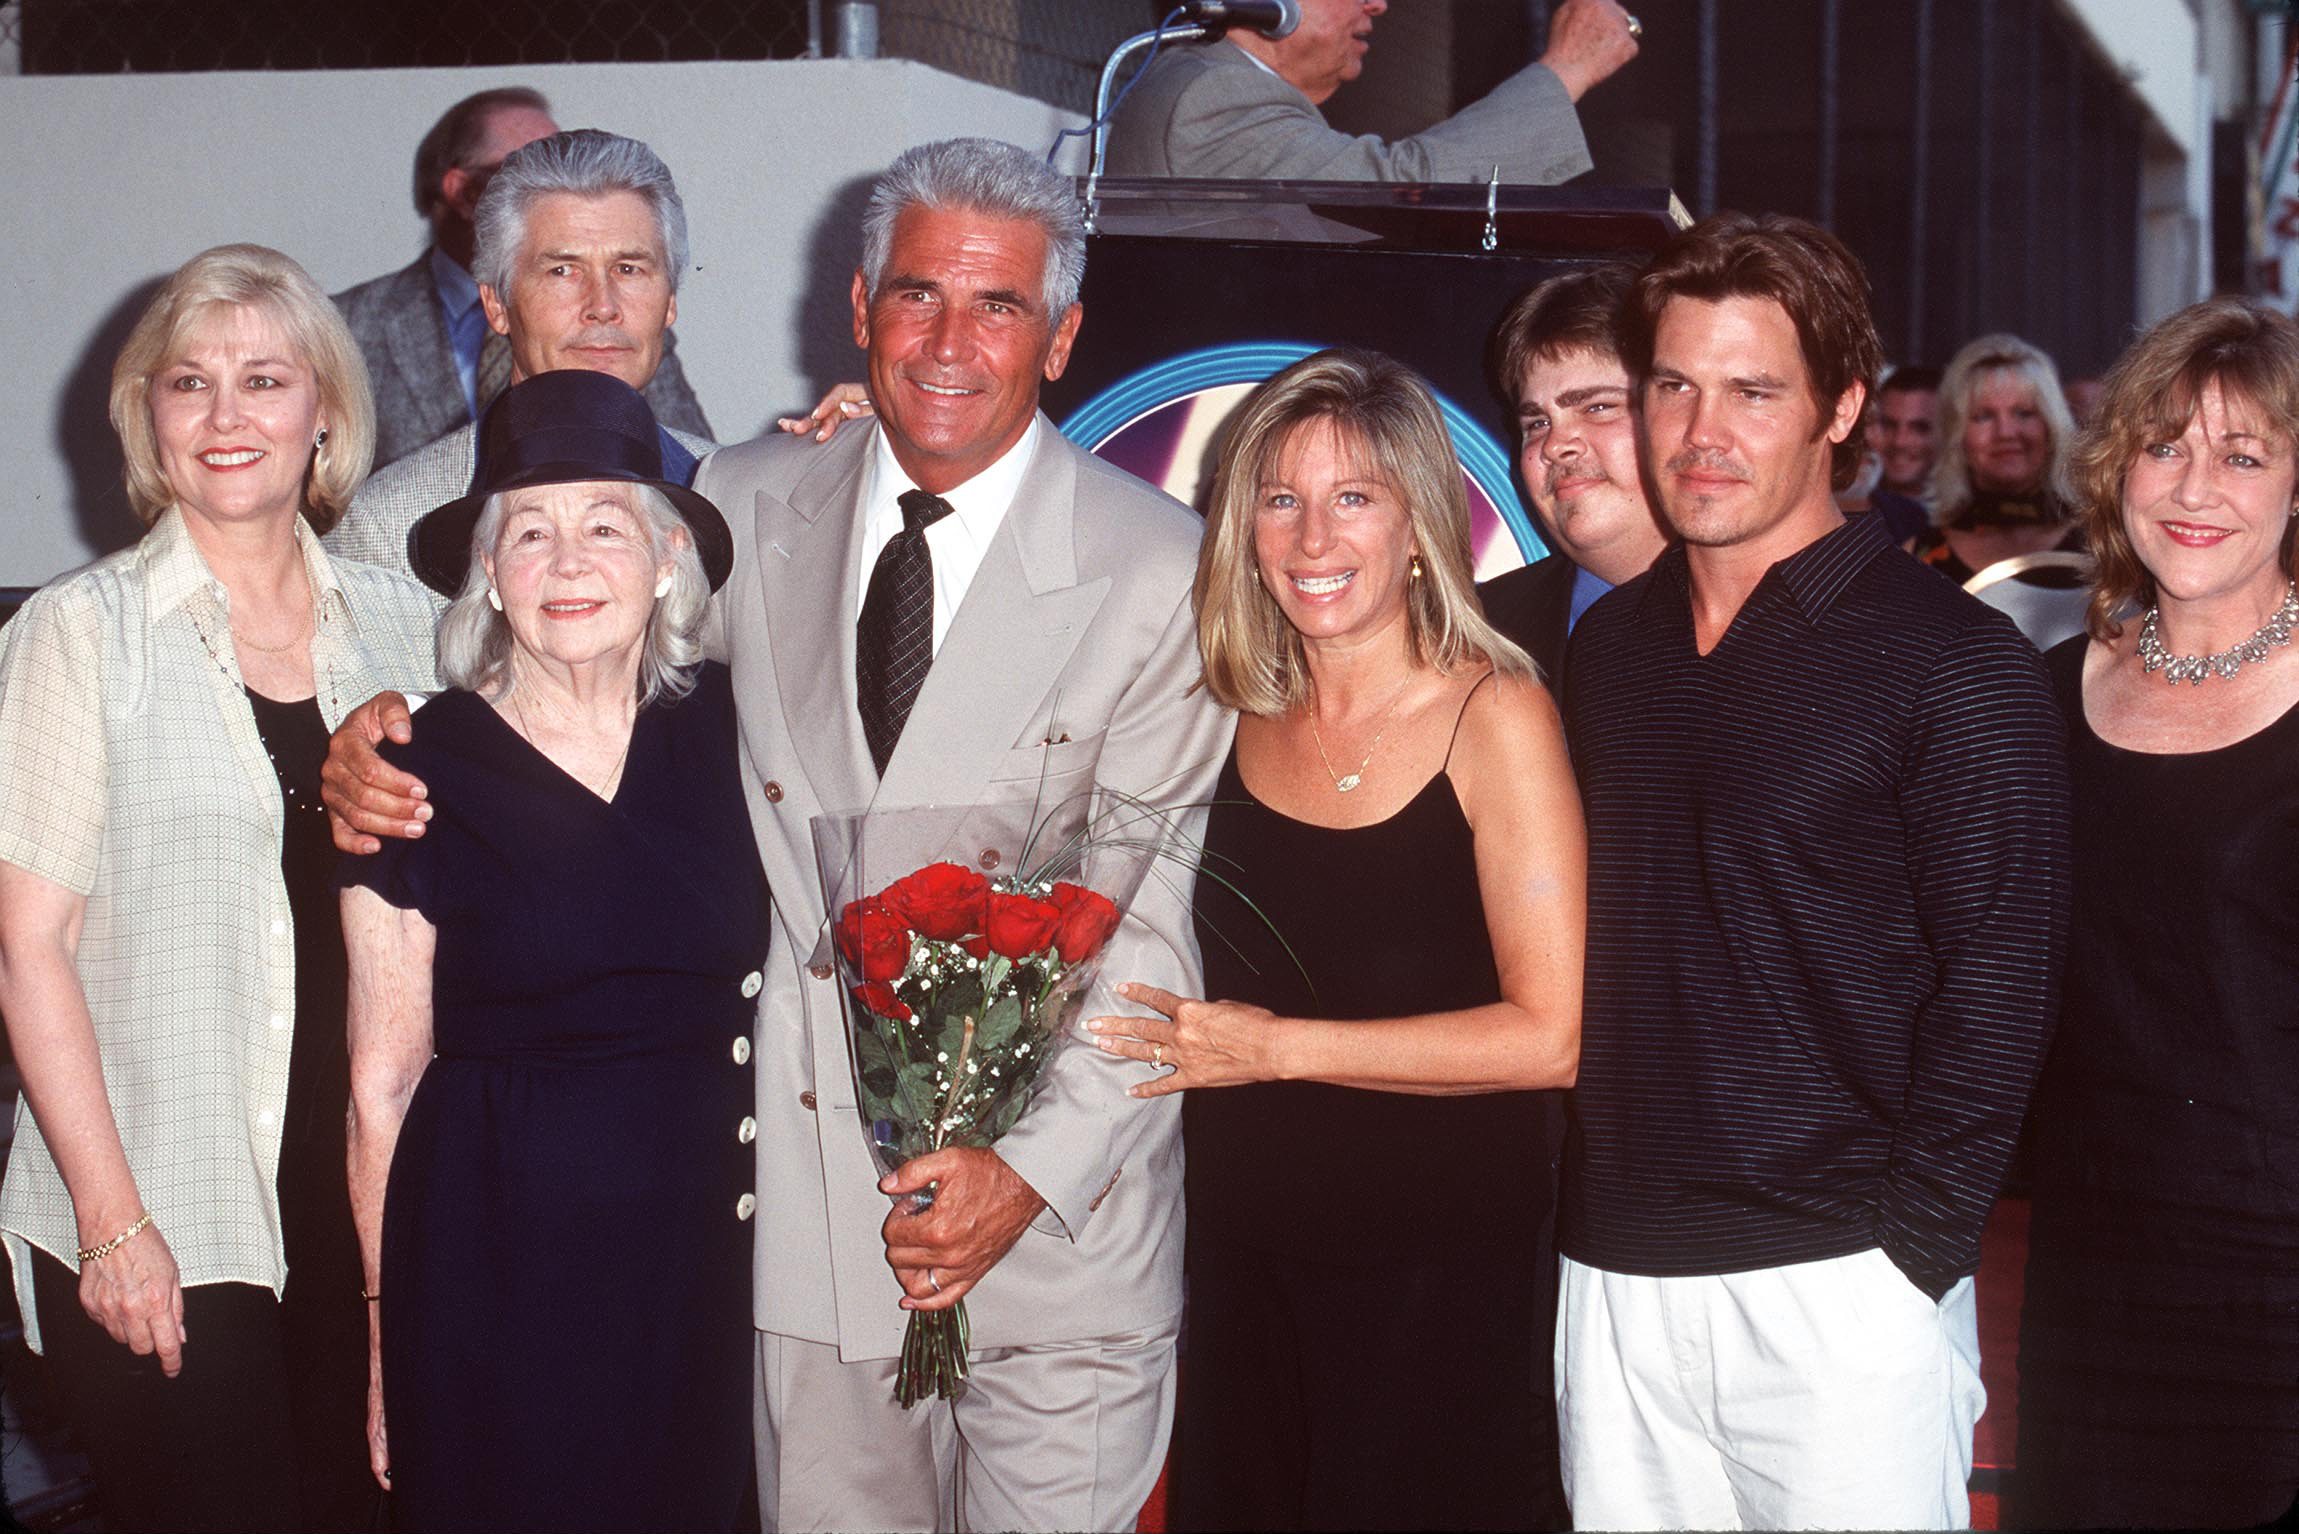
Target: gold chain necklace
(1345, 784)
(604, 785)
(302, 635)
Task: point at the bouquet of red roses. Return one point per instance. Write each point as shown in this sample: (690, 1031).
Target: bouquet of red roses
(961, 981)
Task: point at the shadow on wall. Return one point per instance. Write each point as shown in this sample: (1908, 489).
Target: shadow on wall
(84, 438)
(826, 351)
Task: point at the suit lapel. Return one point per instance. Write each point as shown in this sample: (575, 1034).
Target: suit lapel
(421, 353)
(807, 552)
(1022, 618)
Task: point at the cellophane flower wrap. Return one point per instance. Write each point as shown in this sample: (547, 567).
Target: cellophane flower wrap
(966, 941)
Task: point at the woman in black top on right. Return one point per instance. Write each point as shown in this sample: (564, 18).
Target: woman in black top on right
(2159, 1349)
(1391, 909)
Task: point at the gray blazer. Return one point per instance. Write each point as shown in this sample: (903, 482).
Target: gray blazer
(411, 365)
(1208, 110)
(374, 529)
(1077, 630)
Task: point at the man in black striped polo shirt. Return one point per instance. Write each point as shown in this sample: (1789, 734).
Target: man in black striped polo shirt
(1827, 893)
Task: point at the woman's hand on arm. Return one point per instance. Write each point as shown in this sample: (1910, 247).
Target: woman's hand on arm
(134, 1291)
(1516, 790)
(1206, 1043)
(845, 402)
(390, 953)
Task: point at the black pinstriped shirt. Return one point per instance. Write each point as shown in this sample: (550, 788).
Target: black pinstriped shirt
(1828, 892)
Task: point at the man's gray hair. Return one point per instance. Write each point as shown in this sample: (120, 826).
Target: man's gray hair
(587, 163)
(476, 643)
(986, 176)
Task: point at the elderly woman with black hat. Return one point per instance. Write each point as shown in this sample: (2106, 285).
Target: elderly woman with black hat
(550, 1001)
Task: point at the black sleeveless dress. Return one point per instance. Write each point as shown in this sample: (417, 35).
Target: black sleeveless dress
(2159, 1347)
(1371, 1274)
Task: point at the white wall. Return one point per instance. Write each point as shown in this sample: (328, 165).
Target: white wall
(112, 181)
(2153, 43)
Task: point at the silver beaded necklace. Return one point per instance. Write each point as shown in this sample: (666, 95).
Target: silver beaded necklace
(2272, 634)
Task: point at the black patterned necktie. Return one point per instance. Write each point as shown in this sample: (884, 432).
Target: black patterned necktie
(493, 371)
(894, 638)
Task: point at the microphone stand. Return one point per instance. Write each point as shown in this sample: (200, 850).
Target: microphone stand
(1188, 31)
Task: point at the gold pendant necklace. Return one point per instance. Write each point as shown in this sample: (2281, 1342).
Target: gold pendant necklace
(1342, 784)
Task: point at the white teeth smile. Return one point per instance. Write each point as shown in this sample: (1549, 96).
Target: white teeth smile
(230, 460)
(939, 389)
(1323, 585)
(568, 607)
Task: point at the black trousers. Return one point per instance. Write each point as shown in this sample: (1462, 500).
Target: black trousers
(1405, 1396)
(264, 1429)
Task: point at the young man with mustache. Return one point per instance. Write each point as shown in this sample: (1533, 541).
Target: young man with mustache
(1557, 366)
(1828, 885)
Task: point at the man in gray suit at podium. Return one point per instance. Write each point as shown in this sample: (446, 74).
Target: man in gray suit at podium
(1244, 108)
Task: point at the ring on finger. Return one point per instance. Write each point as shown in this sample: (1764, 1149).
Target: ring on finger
(932, 1282)
(1157, 1056)
(1635, 27)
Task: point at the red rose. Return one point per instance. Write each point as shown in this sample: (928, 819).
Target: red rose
(941, 900)
(1088, 920)
(1018, 926)
(979, 947)
(877, 996)
(874, 941)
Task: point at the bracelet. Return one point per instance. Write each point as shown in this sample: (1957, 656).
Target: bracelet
(371, 1297)
(98, 1253)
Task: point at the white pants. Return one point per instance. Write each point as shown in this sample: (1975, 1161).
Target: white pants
(1069, 1436)
(1828, 1394)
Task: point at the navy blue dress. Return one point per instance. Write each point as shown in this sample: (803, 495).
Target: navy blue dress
(566, 1233)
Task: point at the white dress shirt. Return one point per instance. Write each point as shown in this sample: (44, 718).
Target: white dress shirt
(959, 540)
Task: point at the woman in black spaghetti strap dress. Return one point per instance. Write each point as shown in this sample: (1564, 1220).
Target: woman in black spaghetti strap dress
(1390, 907)
(2159, 1346)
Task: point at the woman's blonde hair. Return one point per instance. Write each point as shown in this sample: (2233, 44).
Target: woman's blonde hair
(2149, 396)
(258, 276)
(1382, 410)
(1966, 371)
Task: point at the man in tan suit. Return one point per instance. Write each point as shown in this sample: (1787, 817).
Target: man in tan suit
(1054, 622)
(1063, 645)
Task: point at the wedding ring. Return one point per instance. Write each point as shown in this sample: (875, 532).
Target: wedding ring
(1635, 27)
(932, 1282)
(1157, 1056)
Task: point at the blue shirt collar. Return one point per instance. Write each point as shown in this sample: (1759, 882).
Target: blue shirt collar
(458, 290)
(1586, 589)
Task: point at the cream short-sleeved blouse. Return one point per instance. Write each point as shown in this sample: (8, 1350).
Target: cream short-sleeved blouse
(131, 773)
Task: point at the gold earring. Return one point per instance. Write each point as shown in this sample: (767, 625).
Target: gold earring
(1416, 567)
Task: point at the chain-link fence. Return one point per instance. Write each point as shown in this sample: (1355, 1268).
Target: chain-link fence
(1050, 49)
(111, 36)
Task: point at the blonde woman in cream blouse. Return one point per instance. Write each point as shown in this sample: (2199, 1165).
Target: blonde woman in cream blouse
(174, 1212)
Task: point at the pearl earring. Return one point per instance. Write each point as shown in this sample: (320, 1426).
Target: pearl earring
(663, 588)
(1416, 567)
(494, 599)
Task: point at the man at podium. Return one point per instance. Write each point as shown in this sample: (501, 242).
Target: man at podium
(1245, 107)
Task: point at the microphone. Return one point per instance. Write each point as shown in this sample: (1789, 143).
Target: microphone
(1271, 18)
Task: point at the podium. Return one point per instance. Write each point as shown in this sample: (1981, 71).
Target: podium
(1196, 291)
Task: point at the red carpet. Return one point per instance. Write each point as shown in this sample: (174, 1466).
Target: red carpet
(2003, 1267)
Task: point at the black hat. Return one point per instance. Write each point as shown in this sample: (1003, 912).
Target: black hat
(562, 428)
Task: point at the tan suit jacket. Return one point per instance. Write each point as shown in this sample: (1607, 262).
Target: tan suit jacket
(1077, 629)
